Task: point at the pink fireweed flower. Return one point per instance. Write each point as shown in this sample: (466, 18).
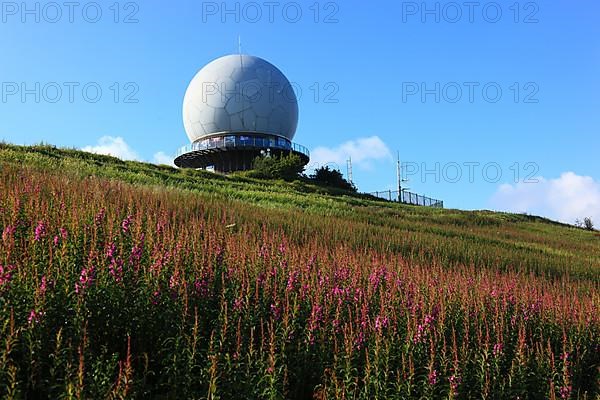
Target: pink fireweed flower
(337, 292)
(8, 233)
(358, 294)
(381, 323)
(174, 281)
(115, 268)
(423, 329)
(565, 392)
(111, 250)
(160, 225)
(323, 280)
(126, 224)
(304, 290)
(63, 233)
(136, 255)
(40, 231)
(100, 216)
(340, 294)
(155, 297)
(377, 276)
(316, 316)
(276, 310)
(220, 255)
(533, 310)
(34, 317)
(283, 264)
(5, 275)
(336, 325)
(55, 241)
(273, 272)
(238, 304)
(341, 274)
(157, 266)
(201, 287)
(429, 319)
(43, 286)
(454, 382)
(360, 340)
(86, 279)
(497, 349)
(292, 280)
(420, 335)
(263, 252)
(433, 377)
(230, 273)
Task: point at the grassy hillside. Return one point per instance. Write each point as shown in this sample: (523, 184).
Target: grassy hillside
(129, 280)
(501, 240)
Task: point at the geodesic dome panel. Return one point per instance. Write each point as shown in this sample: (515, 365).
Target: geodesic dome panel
(240, 94)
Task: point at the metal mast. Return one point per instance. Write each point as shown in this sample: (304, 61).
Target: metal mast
(399, 176)
(349, 169)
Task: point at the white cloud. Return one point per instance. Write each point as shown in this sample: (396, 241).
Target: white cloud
(113, 146)
(565, 199)
(163, 158)
(117, 147)
(363, 151)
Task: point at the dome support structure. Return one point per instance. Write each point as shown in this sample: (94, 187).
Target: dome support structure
(236, 152)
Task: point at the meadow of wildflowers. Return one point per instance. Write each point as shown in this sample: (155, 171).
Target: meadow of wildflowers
(114, 289)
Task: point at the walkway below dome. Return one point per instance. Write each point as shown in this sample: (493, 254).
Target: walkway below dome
(234, 155)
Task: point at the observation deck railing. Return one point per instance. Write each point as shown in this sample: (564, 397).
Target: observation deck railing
(246, 142)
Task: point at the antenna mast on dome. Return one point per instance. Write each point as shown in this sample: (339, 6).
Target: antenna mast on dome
(240, 50)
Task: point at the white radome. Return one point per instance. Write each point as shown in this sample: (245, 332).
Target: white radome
(240, 94)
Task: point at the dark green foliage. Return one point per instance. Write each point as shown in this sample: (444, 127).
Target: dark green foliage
(288, 167)
(333, 178)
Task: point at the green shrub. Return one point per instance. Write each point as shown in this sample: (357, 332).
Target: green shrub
(333, 178)
(288, 167)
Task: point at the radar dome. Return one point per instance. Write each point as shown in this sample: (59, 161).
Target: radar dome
(240, 94)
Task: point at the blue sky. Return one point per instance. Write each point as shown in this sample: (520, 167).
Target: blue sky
(371, 64)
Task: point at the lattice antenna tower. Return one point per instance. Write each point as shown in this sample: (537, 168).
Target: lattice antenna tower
(401, 180)
(349, 169)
